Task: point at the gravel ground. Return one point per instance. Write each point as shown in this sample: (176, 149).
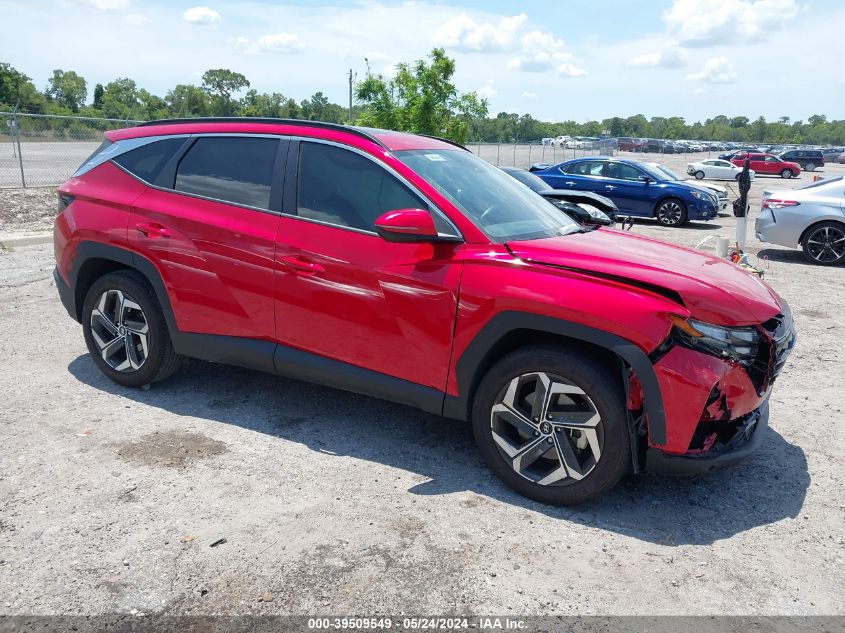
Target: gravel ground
(111, 499)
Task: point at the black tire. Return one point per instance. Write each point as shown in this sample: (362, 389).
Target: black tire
(786, 173)
(699, 175)
(810, 167)
(161, 360)
(599, 385)
(667, 218)
(820, 233)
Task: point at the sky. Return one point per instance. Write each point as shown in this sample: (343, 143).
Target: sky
(561, 60)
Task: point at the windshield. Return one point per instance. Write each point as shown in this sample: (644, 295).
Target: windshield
(662, 172)
(503, 208)
(822, 183)
(533, 181)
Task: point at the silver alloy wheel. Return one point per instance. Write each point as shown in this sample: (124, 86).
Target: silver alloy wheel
(826, 244)
(810, 167)
(120, 330)
(548, 429)
(669, 212)
(699, 175)
(786, 173)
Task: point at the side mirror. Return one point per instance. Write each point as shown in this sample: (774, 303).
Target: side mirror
(646, 179)
(407, 225)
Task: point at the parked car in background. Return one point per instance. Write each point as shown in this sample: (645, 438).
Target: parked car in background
(406, 268)
(637, 188)
(768, 164)
(841, 159)
(627, 144)
(585, 207)
(832, 154)
(809, 159)
(715, 168)
(811, 217)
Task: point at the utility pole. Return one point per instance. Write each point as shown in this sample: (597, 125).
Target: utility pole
(350, 96)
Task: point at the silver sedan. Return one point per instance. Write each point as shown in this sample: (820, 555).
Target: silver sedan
(812, 217)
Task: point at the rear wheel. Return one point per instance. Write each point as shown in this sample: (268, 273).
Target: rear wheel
(824, 243)
(699, 175)
(810, 167)
(551, 423)
(671, 212)
(125, 330)
(786, 173)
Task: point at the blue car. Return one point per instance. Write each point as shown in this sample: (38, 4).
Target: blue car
(636, 188)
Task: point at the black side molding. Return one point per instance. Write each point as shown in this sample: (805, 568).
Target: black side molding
(505, 322)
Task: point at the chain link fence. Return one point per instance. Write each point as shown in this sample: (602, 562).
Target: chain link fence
(43, 151)
(526, 154)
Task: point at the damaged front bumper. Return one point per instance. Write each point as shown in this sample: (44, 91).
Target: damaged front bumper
(747, 439)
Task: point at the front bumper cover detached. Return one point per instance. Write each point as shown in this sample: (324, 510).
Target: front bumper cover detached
(747, 439)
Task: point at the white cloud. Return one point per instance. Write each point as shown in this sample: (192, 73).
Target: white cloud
(696, 23)
(672, 57)
(543, 51)
(528, 95)
(273, 43)
(201, 16)
(717, 70)
(487, 91)
(108, 5)
(136, 19)
(462, 33)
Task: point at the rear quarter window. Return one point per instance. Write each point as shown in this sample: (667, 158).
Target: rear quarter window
(147, 161)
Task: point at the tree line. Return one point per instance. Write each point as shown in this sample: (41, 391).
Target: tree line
(420, 97)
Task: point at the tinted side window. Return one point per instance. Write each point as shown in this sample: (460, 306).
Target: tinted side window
(147, 161)
(341, 187)
(621, 171)
(234, 169)
(586, 168)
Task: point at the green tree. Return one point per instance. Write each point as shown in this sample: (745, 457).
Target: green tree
(221, 84)
(420, 98)
(68, 89)
(186, 100)
(17, 90)
(121, 99)
(98, 97)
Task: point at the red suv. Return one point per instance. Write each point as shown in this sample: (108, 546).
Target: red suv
(405, 267)
(768, 164)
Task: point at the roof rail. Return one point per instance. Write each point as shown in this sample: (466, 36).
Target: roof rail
(446, 140)
(271, 121)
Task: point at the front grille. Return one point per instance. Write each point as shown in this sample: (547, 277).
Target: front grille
(774, 349)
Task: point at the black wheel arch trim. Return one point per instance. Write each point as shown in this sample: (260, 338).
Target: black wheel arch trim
(508, 321)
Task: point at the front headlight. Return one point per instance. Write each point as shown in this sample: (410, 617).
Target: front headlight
(598, 214)
(736, 343)
(700, 196)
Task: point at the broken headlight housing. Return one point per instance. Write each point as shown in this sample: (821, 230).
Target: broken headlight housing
(736, 343)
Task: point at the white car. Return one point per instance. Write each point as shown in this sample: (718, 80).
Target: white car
(715, 168)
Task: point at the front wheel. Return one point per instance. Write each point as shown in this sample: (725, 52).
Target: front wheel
(786, 173)
(810, 167)
(551, 423)
(699, 175)
(125, 330)
(825, 244)
(671, 212)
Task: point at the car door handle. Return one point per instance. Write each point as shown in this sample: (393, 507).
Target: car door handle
(571, 183)
(301, 264)
(153, 230)
(611, 187)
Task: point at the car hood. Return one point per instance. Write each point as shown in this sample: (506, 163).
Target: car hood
(709, 187)
(712, 289)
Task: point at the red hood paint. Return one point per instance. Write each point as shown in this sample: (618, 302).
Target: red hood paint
(712, 289)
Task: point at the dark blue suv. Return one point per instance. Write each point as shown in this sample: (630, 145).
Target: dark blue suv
(637, 189)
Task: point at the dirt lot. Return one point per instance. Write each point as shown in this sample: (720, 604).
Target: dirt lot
(111, 499)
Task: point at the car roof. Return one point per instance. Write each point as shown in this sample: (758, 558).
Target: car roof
(385, 139)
